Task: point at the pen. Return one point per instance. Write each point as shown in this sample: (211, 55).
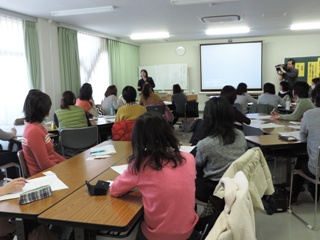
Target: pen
(98, 151)
(10, 179)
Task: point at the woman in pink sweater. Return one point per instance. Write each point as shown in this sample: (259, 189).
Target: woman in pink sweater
(165, 177)
(36, 143)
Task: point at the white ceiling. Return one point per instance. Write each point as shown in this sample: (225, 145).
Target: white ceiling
(264, 17)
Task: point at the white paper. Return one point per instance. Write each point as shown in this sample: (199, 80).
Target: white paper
(295, 134)
(107, 149)
(256, 123)
(98, 157)
(187, 149)
(270, 125)
(120, 169)
(294, 123)
(260, 117)
(52, 180)
(167, 102)
(48, 173)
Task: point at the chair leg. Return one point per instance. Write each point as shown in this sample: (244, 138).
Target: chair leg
(290, 210)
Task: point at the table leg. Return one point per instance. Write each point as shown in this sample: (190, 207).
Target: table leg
(20, 230)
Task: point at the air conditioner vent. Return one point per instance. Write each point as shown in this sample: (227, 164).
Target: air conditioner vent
(220, 19)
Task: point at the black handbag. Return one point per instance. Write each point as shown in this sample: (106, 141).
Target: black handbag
(277, 202)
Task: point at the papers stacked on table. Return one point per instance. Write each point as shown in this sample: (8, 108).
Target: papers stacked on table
(295, 134)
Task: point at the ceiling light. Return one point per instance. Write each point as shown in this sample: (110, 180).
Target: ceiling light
(230, 30)
(155, 35)
(305, 26)
(190, 2)
(82, 11)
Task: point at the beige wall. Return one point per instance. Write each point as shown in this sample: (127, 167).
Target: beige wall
(275, 49)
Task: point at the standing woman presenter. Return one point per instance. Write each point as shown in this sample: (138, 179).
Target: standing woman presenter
(145, 78)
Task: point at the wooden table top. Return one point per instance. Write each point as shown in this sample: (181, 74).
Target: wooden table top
(270, 140)
(97, 212)
(73, 172)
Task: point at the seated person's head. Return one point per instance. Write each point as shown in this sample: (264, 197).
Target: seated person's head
(218, 119)
(315, 81)
(229, 93)
(129, 94)
(36, 106)
(146, 90)
(300, 89)
(153, 146)
(176, 89)
(85, 92)
(284, 86)
(111, 90)
(241, 89)
(269, 88)
(315, 95)
(68, 99)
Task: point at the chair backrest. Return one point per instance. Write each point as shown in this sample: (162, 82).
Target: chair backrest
(191, 109)
(23, 165)
(156, 108)
(78, 138)
(260, 108)
(251, 131)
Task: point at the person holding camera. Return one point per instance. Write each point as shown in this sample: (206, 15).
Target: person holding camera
(289, 73)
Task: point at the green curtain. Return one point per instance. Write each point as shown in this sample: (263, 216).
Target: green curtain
(124, 62)
(32, 54)
(69, 60)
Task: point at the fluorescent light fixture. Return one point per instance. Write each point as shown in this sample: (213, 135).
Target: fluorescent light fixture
(227, 30)
(191, 2)
(154, 35)
(305, 26)
(82, 11)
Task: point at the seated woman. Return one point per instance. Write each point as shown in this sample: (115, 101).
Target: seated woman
(300, 92)
(223, 145)
(131, 110)
(148, 97)
(85, 100)
(230, 93)
(110, 99)
(165, 177)
(243, 98)
(284, 92)
(310, 133)
(69, 115)
(36, 143)
(179, 100)
(269, 97)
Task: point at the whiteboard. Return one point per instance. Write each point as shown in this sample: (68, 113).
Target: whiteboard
(166, 75)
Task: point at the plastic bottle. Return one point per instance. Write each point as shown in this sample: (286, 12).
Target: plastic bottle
(192, 91)
(111, 110)
(288, 103)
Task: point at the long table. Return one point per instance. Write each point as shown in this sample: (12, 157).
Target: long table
(104, 124)
(83, 212)
(73, 172)
(279, 147)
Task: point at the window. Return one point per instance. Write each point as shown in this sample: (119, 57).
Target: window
(13, 69)
(94, 64)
